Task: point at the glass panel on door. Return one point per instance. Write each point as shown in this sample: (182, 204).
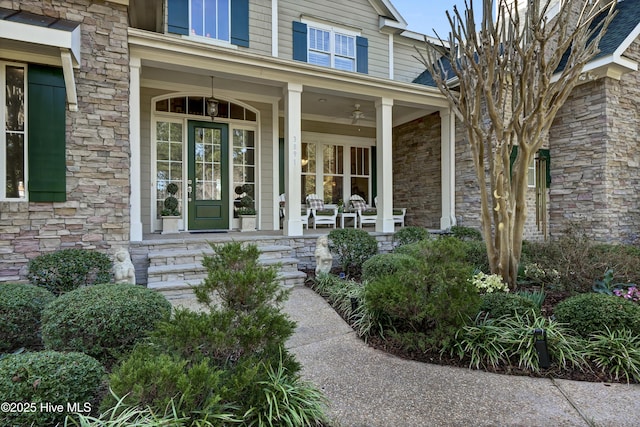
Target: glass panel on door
(208, 172)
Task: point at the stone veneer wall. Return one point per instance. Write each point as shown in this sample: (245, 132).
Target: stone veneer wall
(417, 177)
(416, 171)
(596, 158)
(96, 213)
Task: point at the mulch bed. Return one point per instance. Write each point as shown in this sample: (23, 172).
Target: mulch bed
(391, 346)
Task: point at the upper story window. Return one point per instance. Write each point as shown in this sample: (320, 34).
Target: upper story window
(223, 20)
(210, 19)
(332, 49)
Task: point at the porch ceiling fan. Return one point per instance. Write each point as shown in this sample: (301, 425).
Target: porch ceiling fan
(356, 114)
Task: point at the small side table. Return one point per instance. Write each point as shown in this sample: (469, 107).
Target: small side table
(353, 215)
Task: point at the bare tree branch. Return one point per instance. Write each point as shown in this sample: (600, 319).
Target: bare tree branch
(512, 72)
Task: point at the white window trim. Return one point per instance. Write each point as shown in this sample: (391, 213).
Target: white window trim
(531, 172)
(333, 30)
(183, 119)
(322, 139)
(212, 40)
(3, 135)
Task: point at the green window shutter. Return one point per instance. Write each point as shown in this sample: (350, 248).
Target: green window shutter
(512, 159)
(46, 133)
(299, 41)
(240, 22)
(362, 55)
(544, 153)
(178, 19)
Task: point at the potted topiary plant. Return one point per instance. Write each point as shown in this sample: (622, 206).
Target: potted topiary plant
(170, 214)
(246, 208)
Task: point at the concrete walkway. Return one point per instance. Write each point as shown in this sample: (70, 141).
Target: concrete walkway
(369, 388)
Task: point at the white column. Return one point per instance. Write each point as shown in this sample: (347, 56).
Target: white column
(448, 168)
(384, 149)
(292, 170)
(135, 198)
(275, 182)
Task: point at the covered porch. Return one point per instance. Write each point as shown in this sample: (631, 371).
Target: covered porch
(284, 128)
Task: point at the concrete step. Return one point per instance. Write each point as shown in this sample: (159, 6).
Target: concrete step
(173, 270)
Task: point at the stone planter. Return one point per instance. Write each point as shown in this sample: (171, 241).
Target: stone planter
(247, 222)
(170, 224)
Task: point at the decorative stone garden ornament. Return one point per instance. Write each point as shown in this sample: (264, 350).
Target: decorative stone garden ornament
(324, 260)
(123, 270)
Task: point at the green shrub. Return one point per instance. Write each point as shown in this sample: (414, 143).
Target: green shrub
(453, 302)
(508, 341)
(48, 376)
(616, 352)
(238, 279)
(226, 365)
(286, 401)
(103, 321)
(466, 233)
(575, 262)
(399, 301)
(437, 251)
(68, 269)
(150, 379)
(593, 313)
(224, 336)
(121, 415)
(476, 255)
(20, 308)
(352, 247)
(436, 300)
(387, 264)
(499, 304)
(410, 234)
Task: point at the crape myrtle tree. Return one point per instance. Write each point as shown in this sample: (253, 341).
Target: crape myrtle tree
(506, 79)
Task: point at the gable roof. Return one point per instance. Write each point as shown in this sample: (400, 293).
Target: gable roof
(623, 30)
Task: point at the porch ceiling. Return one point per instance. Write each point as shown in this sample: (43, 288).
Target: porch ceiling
(329, 95)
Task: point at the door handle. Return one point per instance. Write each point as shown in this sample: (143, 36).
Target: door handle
(189, 189)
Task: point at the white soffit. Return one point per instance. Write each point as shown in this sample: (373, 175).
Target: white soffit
(25, 27)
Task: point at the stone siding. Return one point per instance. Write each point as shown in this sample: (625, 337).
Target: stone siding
(96, 213)
(597, 161)
(417, 178)
(416, 171)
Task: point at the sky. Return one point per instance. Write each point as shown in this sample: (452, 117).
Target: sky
(425, 15)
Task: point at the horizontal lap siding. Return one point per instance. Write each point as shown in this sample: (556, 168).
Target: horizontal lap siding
(260, 27)
(406, 68)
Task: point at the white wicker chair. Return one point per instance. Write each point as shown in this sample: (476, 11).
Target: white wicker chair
(366, 214)
(322, 214)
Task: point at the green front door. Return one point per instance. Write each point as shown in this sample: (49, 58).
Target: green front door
(208, 174)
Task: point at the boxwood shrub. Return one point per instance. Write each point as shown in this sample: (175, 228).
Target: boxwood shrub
(499, 304)
(102, 321)
(593, 313)
(352, 247)
(387, 264)
(68, 269)
(20, 308)
(410, 234)
(48, 377)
